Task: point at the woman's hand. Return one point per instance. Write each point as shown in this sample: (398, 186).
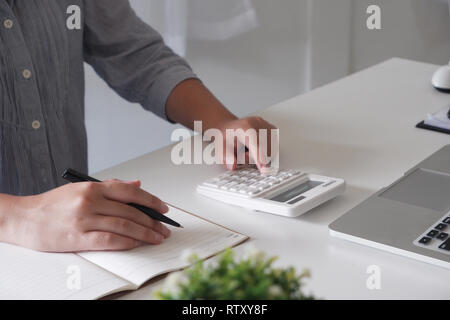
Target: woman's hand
(84, 216)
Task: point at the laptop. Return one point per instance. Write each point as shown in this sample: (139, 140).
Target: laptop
(411, 217)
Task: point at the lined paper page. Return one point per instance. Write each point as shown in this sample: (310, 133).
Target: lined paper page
(28, 274)
(143, 263)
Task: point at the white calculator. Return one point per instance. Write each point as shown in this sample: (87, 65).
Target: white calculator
(288, 193)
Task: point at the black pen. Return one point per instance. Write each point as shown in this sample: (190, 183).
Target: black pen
(74, 176)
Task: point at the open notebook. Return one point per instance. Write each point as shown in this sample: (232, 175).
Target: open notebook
(28, 274)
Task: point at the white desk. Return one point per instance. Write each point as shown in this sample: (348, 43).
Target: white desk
(361, 128)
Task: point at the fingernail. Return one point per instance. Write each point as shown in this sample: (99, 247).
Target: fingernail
(265, 170)
(164, 207)
(158, 237)
(166, 231)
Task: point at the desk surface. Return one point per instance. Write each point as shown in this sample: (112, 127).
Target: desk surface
(360, 128)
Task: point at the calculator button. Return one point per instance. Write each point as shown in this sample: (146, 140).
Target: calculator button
(211, 185)
(441, 226)
(250, 191)
(432, 233)
(227, 186)
(294, 172)
(447, 220)
(442, 236)
(425, 240)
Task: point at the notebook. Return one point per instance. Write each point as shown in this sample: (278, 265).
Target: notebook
(28, 274)
(438, 121)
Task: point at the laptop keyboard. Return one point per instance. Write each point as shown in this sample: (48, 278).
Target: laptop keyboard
(437, 236)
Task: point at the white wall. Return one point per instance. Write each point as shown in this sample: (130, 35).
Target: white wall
(300, 44)
(414, 29)
(259, 68)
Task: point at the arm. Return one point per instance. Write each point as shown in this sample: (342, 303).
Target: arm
(10, 208)
(130, 56)
(191, 101)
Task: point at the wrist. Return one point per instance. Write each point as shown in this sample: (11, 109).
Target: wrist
(225, 122)
(12, 212)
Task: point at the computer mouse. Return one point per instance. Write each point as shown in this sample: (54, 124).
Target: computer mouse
(441, 79)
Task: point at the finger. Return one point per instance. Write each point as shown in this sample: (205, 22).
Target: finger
(272, 132)
(126, 228)
(252, 145)
(99, 240)
(247, 157)
(229, 155)
(240, 154)
(275, 150)
(136, 183)
(259, 147)
(128, 193)
(121, 210)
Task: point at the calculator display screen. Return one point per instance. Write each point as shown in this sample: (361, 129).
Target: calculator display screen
(296, 191)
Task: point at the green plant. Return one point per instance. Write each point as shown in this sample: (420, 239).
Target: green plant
(252, 277)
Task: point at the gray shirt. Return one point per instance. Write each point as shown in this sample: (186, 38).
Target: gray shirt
(42, 50)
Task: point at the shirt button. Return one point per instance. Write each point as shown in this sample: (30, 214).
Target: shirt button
(26, 74)
(36, 124)
(8, 23)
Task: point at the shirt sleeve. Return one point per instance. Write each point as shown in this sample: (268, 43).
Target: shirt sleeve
(130, 55)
